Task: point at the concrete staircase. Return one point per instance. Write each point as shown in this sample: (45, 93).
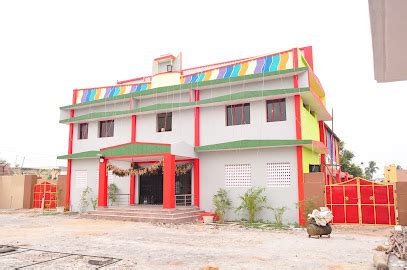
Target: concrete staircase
(146, 213)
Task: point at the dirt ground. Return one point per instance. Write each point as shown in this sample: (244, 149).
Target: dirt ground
(187, 246)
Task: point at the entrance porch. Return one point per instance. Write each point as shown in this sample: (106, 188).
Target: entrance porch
(163, 187)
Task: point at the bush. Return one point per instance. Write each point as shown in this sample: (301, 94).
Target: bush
(222, 203)
(84, 201)
(252, 202)
(278, 215)
(94, 202)
(307, 206)
(113, 190)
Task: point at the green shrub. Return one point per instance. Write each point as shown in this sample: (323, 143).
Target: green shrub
(307, 206)
(252, 202)
(94, 202)
(112, 194)
(222, 203)
(84, 201)
(278, 215)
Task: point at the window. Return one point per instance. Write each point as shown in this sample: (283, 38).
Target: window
(238, 114)
(81, 179)
(83, 131)
(106, 128)
(279, 174)
(238, 175)
(276, 110)
(314, 168)
(164, 122)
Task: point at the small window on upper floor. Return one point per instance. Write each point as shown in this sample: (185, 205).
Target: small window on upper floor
(83, 131)
(106, 128)
(164, 122)
(276, 110)
(238, 114)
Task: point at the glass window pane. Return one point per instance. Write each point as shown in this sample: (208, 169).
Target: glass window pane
(238, 115)
(276, 111)
(168, 122)
(269, 107)
(283, 113)
(229, 116)
(102, 129)
(246, 113)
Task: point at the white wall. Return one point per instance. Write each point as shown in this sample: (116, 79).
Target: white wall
(214, 129)
(212, 177)
(182, 128)
(118, 106)
(91, 166)
(122, 134)
(171, 98)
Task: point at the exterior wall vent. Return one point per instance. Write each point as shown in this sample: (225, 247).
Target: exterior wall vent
(238, 175)
(279, 174)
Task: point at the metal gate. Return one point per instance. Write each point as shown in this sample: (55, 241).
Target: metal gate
(45, 195)
(360, 201)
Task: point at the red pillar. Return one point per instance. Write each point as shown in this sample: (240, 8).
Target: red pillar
(197, 120)
(196, 182)
(132, 189)
(70, 146)
(102, 191)
(322, 139)
(169, 181)
(133, 128)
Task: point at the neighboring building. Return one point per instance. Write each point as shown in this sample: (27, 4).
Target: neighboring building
(256, 121)
(392, 174)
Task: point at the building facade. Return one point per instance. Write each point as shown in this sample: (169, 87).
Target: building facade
(257, 121)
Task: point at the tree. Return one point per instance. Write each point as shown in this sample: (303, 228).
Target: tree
(3, 165)
(347, 165)
(399, 167)
(371, 169)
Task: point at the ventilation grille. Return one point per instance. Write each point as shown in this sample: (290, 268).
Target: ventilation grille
(238, 175)
(279, 174)
(81, 179)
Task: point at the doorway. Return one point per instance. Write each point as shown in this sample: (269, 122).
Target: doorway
(151, 187)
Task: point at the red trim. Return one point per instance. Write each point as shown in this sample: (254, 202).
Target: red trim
(197, 122)
(133, 128)
(169, 56)
(169, 181)
(149, 143)
(68, 185)
(116, 85)
(196, 182)
(298, 133)
(308, 55)
(137, 156)
(322, 140)
(132, 189)
(300, 186)
(102, 190)
(134, 79)
(70, 147)
(234, 62)
(154, 161)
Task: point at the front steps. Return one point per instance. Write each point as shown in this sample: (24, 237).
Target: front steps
(144, 213)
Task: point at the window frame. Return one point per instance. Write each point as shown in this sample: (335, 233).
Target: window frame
(80, 131)
(234, 118)
(106, 135)
(167, 115)
(273, 102)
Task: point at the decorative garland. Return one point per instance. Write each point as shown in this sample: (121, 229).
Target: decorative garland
(152, 170)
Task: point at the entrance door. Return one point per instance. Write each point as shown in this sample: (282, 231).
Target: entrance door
(151, 189)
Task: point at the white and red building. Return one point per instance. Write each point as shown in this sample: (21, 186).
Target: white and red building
(257, 121)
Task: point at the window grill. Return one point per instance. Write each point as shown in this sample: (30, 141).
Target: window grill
(238, 175)
(279, 174)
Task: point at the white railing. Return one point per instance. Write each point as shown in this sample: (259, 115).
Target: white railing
(183, 199)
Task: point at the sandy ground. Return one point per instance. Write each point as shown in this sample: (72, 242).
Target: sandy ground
(187, 246)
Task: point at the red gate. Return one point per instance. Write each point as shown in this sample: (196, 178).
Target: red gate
(46, 191)
(359, 201)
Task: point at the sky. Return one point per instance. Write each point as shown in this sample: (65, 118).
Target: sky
(48, 48)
